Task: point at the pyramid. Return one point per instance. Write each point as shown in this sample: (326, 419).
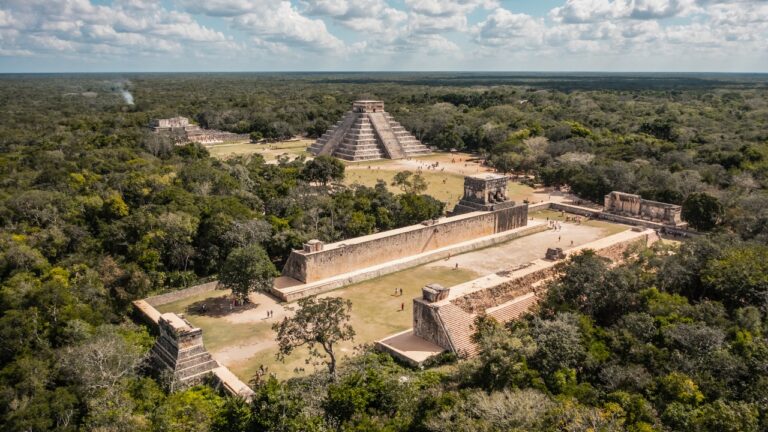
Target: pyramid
(367, 133)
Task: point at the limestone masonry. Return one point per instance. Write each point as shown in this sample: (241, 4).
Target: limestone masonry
(443, 317)
(630, 205)
(183, 132)
(179, 349)
(317, 261)
(484, 192)
(367, 133)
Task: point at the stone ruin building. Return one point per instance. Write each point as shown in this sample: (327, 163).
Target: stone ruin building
(179, 349)
(484, 192)
(630, 205)
(367, 133)
(444, 317)
(184, 132)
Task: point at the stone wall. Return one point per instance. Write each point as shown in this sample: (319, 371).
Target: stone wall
(172, 296)
(634, 206)
(367, 251)
(428, 325)
(478, 296)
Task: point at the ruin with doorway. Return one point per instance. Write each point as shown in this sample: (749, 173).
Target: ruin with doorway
(367, 132)
(182, 131)
(634, 206)
(485, 192)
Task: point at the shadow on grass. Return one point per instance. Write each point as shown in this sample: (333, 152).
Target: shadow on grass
(217, 307)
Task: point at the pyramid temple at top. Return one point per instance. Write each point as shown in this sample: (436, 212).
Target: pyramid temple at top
(368, 132)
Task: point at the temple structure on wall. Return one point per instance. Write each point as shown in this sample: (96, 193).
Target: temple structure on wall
(182, 132)
(367, 132)
(444, 317)
(179, 349)
(630, 205)
(484, 192)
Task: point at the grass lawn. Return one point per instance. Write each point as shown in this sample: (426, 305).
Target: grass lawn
(270, 151)
(610, 228)
(375, 314)
(218, 332)
(446, 187)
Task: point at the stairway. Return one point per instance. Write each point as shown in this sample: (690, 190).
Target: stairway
(386, 135)
(326, 144)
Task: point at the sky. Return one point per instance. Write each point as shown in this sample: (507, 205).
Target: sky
(383, 35)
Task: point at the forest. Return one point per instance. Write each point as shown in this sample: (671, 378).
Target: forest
(96, 212)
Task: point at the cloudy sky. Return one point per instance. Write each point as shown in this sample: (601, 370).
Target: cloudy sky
(317, 35)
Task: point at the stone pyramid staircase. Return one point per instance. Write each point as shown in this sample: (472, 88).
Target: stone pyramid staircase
(368, 134)
(180, 350)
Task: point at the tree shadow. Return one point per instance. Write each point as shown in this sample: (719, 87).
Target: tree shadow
(216, 307)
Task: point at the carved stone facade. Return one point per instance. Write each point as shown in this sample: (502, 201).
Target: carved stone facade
(367, 132)
(183, 132)
(484, 192)
(180, 350)
(634, 206)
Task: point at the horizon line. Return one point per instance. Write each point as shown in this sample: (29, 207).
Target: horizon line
(388, 71)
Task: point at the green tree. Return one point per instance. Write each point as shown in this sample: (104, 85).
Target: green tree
(409, 182)
(702, 211)
(323, 169)
(247, 269)
(320, 323)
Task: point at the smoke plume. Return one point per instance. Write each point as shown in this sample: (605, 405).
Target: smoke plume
(127, 96)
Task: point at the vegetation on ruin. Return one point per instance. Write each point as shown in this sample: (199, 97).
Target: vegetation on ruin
(95, 213)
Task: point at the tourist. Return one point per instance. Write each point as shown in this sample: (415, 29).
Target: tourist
(457, 266)
(402, 307)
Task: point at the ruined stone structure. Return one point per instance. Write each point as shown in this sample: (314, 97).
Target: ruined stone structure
(484, 192)
(179, 349)
(183, 132)
(443, 317)
(634, 206)
(317, 261)
(367, 133)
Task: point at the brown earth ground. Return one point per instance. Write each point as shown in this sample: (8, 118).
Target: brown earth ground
(270, 151)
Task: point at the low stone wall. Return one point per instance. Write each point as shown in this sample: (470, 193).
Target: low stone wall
(367, 251)
(447, 321)
(481, 300)
(173, 296)
(294, 293)
(600, 214)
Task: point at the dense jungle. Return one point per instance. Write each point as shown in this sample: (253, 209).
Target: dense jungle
(96, 211)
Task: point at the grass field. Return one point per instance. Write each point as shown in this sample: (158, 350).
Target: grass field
(270, 151)
(445, 186)
(610, 228)
(375, 314)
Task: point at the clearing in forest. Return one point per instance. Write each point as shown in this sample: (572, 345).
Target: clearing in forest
(241, 337)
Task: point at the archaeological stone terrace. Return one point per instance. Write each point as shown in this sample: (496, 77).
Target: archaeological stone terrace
(367, 132)
(182, 131)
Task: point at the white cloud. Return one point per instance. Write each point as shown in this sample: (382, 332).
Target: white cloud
(503, 27)
(285, 25)
(584, 11)
(369, 16)
(123, 28)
